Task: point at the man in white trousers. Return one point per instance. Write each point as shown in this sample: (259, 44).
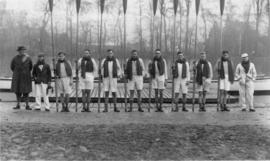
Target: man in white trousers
(65, 80)
(42, 77)
(88, 70)
(158, 72)
(204, 75)
(246, 75)
(225, 70)
(134, 72)
(111, 70)
(181, 76)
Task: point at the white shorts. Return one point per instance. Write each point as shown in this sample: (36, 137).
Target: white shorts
(110, 84)
(64, 85)
(135, 83)
(205, 86)
(180, 84)
(225, 84)
(87, 82)
(158, 83)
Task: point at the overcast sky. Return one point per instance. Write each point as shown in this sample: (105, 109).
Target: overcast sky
(32, 7)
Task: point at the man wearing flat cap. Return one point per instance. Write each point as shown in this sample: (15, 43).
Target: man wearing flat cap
(42, 76)
(21, 66)
(246, 75)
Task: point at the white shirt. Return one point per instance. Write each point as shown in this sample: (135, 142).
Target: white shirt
(63, 70)
(110, 66)
(40, 67)
(134, 67)
(165, 75)
(89, 74)
(225, 67)
(180, 66)
(210, 69)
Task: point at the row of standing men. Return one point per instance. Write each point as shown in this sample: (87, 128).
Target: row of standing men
(24, 70)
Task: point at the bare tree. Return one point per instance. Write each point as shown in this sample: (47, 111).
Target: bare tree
(141, 30)
(258, 4)
(180, 24)
(188, 4)
(44, 23)
(268, 15)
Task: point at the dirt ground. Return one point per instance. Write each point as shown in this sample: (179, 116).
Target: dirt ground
(31, 135)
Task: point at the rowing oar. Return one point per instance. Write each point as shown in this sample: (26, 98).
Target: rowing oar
(175, 5)
(125, 50)
(197, 3)
(53, 56)
(78, 5)
(155, 2)
(222, 4)
(102, 3)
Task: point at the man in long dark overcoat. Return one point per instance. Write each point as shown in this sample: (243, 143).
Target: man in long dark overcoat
(21, 66)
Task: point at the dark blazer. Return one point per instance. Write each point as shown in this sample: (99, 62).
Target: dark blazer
(42, 76)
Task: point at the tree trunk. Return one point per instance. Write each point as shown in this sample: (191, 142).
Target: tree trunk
(141, 35)
(165, 34)
(180, 26)
(160, 33)
(268, 8)
(187, 26)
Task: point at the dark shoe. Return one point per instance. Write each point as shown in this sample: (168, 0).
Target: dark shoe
(63, 109)
(47, 110)
(140, 110)
(87, 109)
(116, 110)
(202, 110)
(160, 110)
(175, 110)
(226, 109)
(105, 108)
(252, 110)
(244, 110)
(37, 109)
(28, 107)
(67, 110)
(84, 110)
(17, 107)
(184, 110)
(222, 109)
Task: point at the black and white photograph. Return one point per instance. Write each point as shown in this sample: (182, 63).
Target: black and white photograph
(134, 80)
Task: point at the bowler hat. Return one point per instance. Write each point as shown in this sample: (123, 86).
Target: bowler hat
(21, 48)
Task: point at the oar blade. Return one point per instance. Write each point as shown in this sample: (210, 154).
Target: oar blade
(197, 3)
(78, 5)
(155, 2)
(222, 5)
(175, 5)
(125, 6)
(51, 5)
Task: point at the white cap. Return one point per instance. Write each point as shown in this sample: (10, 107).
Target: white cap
(244, 55)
